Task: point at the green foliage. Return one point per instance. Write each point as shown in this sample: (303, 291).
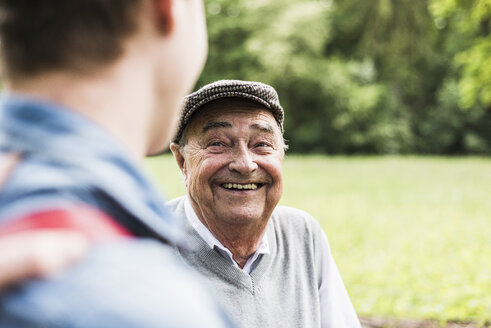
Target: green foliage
(410, 235)
(355, 76)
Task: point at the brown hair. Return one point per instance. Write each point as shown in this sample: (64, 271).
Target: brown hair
(79, 35)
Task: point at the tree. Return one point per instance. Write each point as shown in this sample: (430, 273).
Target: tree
(379, 76)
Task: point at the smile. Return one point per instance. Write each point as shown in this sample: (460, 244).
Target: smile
(238, 186)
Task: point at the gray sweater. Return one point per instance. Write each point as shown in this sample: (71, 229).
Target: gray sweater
(283, 290)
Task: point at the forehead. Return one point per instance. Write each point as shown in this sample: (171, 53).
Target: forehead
(234, 113)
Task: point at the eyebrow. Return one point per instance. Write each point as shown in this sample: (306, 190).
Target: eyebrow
(263, 127)
(222, 124)
(215, 125)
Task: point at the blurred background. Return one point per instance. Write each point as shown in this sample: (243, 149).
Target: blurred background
(388, 117)
(369, 77)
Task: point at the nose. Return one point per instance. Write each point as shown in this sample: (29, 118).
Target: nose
(243, 162)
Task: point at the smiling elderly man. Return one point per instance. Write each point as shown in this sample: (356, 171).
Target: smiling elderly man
(271, 265)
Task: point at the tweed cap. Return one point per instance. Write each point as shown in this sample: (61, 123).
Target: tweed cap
(256, 91)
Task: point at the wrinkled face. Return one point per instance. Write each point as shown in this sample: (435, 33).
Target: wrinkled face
(232, 165)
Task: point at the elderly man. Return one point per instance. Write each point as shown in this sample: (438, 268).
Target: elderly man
(271, 265)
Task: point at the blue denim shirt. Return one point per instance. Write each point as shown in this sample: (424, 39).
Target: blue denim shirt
(68, 160)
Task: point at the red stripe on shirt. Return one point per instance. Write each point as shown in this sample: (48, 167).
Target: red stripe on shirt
(93, 223)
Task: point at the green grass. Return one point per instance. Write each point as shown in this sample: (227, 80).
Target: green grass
(411, 235)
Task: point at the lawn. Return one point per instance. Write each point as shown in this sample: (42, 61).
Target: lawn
(411, 235)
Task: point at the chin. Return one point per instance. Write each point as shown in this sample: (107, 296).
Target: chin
(244, 218)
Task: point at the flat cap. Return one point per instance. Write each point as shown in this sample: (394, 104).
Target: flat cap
(262, 93)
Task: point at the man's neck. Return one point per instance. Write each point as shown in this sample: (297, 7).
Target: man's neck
(118, 98)
(241, 240)
(241, 244)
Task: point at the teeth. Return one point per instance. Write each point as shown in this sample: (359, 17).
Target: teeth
(250, 186)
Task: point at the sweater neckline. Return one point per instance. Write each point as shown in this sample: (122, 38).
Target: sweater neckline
(219, 265)
(213, 242)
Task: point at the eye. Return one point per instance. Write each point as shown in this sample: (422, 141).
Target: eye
(262, 144)
(216, 144)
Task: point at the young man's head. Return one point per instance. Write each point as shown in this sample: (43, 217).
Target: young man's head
(86, 39)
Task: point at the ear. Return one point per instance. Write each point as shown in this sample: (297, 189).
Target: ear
(164, 12)
(179, 156)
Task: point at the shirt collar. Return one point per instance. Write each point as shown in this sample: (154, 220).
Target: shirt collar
(213, 242)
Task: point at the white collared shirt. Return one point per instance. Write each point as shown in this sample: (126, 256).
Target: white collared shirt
(213, 242)
(336, 308)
